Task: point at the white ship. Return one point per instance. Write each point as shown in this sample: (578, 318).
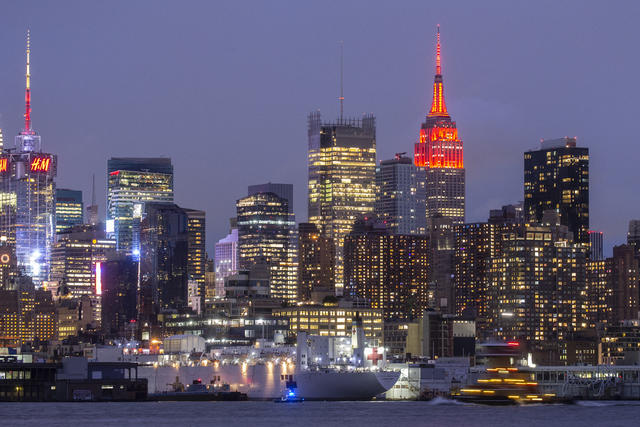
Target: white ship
(318, 368)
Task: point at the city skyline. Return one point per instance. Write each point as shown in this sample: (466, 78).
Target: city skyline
(500, 114)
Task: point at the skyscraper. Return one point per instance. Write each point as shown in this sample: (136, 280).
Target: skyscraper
(390, 271)
(164, 260)
(316, 261)
(633, 236)
(267, 233)
(539, 286)
(557, 177)
(27, 192)
(401, 196)
(69, 211)
(226, 258)
(595, 243)
(440, 152)
(131, 182)
(281, 190)
(342, 163)
(197, 256)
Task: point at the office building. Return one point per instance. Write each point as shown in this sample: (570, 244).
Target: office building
(440, 152)
(69, 209)
(342, 164)
(131, 182)
(281, 190)
(316, 261)
(401, 197)
(267, 232)
(74, 258)
(329, 320)
(556, 177)
(226, 258)
(27, 193)
(596, 245)
(390, 271)
(164, 248)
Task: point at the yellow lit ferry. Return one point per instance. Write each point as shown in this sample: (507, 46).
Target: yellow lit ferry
(503, 383)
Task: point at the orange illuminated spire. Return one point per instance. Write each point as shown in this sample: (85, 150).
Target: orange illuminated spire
(438, 107)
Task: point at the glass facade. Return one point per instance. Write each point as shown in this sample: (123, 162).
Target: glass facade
(342, 167)
(131, 182)
(27, 193)
(401, 196)
(267, 233)
(69, 209)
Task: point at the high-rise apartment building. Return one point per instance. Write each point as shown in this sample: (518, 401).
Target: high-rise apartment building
(27, 193)
(556, 177)
(401, 196)
(267, 233)
(316, 261)
(342, 165)
(131, 182)
(69, 209)
(119, 283)
(197, 256)
(226, 261)
(390, 271)
(633, 235)
(539, 286)
(440, 152)
(476, 246)
(624, 268)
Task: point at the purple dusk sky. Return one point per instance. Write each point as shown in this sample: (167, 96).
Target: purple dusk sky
(224, 89)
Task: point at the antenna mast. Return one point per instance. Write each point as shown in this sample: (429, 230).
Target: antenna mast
(341, 98)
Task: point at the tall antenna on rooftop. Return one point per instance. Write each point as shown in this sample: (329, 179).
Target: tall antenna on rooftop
(93, 189)
(341, 98)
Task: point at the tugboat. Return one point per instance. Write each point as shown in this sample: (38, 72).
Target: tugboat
(289, 394)
(198, 392)
(503, 383)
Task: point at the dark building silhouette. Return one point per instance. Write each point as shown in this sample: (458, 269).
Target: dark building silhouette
(164, 246)
(316, 258)
(119, 280)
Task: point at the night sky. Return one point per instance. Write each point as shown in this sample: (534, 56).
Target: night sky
(224, 89)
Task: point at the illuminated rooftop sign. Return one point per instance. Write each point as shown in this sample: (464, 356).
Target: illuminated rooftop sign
(40, 164)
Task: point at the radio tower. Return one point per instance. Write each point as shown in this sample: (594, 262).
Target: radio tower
(28, 139)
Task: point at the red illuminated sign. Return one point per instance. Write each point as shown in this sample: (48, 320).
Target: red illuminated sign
(4, 164)
(40, 164)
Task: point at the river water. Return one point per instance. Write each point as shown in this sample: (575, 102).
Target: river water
(309, 414)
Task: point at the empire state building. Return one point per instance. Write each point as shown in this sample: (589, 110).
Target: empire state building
(440, 152)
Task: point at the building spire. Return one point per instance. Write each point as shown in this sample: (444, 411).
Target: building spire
(438, 106)
(341, 98)
(438, 64)
(27, 93)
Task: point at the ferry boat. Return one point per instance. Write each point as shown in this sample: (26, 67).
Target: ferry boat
(502, 382)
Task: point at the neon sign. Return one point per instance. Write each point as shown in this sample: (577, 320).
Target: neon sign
(98, 278)
(40, 164)
(4, 164)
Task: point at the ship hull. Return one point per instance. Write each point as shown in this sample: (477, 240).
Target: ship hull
(267, 382)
